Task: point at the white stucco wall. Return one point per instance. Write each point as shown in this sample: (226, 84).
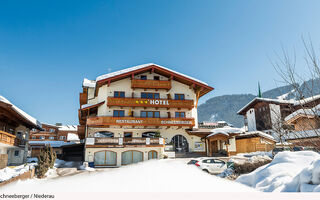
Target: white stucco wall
(251, 120)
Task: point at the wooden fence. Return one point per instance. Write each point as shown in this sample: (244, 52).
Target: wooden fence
(27, 175)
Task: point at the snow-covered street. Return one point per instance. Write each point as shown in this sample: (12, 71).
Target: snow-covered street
(168, 175)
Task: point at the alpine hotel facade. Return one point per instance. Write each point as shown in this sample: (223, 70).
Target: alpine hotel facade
(130, 115)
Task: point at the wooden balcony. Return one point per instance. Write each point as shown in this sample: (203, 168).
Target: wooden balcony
(150, 84)
(122, 142)
(137, 121)
(156, 103)
(83, 98)
(9, 139)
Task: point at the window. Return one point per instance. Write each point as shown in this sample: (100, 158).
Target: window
(19, 135)
(42, 137)
(118, 113)
(150, 114)
(16, 153)
(157, 78)
(180, 114)
(33, 137)
(208, 161)
(119, 94)
(146, 95)
(143, 77)
(51, 130)
(104, 134)
(179, 96)
(219, 161)
(51, 138)
(127, 134)
(62, 137)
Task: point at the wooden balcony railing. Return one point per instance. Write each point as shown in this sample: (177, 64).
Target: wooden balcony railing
(83, 98)
(150, 84)
(157, 103)
(124, 141)
(137, 121)
(7, 138)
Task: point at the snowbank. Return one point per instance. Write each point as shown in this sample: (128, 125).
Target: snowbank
(288, 172)
(168, 175)
(8, 173)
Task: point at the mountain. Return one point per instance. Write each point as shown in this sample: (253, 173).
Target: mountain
(225, 107)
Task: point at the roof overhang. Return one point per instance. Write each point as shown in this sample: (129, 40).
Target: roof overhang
(199, 86)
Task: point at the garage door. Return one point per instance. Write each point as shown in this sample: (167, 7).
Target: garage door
(130, 157)
(105, 158)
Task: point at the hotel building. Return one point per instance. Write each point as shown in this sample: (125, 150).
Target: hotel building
(130, 115)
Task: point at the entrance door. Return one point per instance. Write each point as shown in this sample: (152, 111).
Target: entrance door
(129, 157)
(105, 158)
(214, 146)
(180, 143)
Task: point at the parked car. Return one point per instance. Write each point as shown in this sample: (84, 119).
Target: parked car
(32, 160)
(279, 149)
(192, 162)
(301, 148)
(298, 148)
(213, 166)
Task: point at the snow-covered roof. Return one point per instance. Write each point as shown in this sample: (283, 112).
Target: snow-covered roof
(279, 101)
(307, 100)
(308, 112)
(88, 83)
(302, 134)
(259, 133)
(29, 118)
(68, 128)
(109, 75)
(225, 131)
(89, 105)
(54, 144)
(72, 137)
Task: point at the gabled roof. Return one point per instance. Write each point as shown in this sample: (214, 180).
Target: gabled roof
(244, 109)
(255, 134)
(121, 74)
(225, 131)
(27, 118)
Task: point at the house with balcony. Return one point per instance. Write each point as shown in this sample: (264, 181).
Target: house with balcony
(56, 136)
(15, 126)
(130, 115)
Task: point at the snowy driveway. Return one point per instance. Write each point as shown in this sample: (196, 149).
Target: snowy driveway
(168, 175)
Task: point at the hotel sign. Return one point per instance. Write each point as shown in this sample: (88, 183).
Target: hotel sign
(139, 102)
(136, 121)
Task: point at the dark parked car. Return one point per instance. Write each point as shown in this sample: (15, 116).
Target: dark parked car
(279, 149)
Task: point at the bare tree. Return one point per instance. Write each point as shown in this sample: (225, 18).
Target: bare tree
(304, 85)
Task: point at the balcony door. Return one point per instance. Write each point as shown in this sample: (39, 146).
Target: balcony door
(105, 158)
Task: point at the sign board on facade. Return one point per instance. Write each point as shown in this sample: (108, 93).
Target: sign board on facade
(199, 146)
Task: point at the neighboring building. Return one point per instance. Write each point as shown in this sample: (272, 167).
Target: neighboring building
(129, 115)
(15, 126)
(218, 124)
(54, 135)
(254, 141)
(271, 115)
(262, 114)
(306, 123)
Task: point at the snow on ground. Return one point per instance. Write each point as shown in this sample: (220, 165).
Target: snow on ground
(288, 172)
(168, 175)
(8, 172)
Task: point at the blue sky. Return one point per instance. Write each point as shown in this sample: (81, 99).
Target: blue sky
(48, 47)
